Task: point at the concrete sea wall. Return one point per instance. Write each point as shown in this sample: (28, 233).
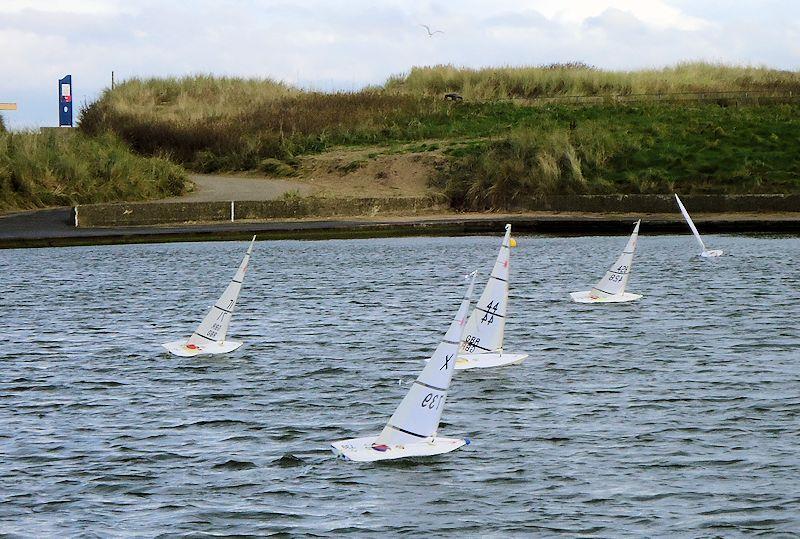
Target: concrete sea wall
(666, 203)
(165, 213)
(170, 213)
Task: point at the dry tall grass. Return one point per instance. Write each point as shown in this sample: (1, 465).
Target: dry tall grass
(525, 164)
(235, 124)
(580, 79)
(63, 169)
(194, 98)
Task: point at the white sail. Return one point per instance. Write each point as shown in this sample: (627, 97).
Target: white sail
(214, 327)
(691, 223)
(486, 325)
(615, 280)
(417, 417)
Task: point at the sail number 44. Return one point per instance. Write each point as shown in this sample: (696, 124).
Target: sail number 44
(491, 310)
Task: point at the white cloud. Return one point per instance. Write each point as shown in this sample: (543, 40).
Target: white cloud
(655, 13)
(91, 7)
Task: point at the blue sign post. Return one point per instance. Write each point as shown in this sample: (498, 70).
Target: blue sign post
(65, 101)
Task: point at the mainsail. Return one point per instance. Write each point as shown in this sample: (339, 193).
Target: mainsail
(614, 281)
(214, 327)
(417, 417)
(691, 223)
(486, 325)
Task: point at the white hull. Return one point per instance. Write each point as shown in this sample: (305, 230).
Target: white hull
(180, 348)
(712, 253)
(585, 297)
(488, 360)
(362, 450)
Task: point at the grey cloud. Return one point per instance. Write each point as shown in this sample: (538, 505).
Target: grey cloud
(523, 19)
(79, 27)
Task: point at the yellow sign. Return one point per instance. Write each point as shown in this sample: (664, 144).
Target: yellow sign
(8, 106)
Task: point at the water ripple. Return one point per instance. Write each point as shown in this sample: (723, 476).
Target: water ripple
(673, 416)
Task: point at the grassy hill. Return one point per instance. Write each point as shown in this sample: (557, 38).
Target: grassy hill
(503, 144)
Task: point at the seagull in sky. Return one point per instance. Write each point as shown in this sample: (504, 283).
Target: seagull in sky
(428, 28)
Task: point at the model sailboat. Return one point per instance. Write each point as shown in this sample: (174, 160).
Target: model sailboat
(209, 337)
(483, 335)
(412, 429)
(611, 288)
(706, 253)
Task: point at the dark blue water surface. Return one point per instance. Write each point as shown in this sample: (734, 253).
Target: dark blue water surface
(677, 415)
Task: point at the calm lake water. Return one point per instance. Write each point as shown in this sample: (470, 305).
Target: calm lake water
(677, 415)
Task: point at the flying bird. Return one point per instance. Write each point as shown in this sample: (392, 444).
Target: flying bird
(428, 28)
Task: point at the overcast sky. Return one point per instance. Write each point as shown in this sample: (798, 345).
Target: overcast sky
(329, 44)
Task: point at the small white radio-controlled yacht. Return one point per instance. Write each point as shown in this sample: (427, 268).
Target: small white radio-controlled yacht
(209, 337)
(611, 288)
(412, 429)
(483, 335)
(706, 253)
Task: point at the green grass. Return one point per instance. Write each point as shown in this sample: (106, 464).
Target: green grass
(629, 149)
(53, 169)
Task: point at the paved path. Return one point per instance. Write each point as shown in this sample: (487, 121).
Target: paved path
(212, 188)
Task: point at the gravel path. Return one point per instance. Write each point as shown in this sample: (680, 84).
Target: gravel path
(213, 188)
